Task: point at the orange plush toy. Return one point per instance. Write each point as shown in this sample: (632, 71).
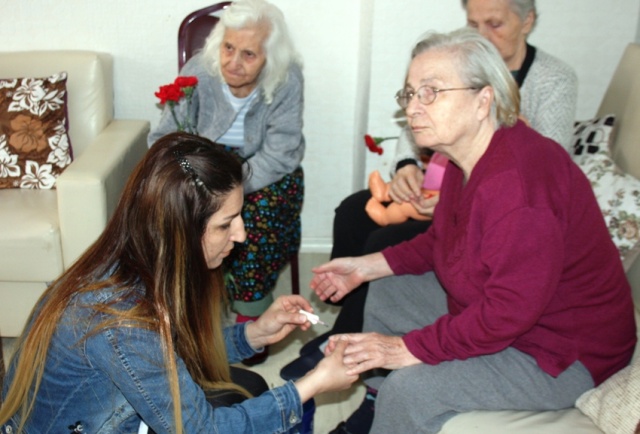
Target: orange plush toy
(384, 211)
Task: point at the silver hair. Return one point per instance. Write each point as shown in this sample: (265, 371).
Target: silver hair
(520, 7)
(479, 65)
(278, 46)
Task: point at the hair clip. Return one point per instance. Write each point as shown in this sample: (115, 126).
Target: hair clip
(188, 169)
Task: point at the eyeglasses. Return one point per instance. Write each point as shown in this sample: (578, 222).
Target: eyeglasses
(426, 94)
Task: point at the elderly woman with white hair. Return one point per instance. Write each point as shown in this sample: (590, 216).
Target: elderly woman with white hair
(249, 97)
(548, 95)
(515, 297)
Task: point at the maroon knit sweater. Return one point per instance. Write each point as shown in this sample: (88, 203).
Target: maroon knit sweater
(526, 260)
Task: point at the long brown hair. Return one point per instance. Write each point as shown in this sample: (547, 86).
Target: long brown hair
(153, 241)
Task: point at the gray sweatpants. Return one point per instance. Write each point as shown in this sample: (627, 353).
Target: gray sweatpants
(421, 398)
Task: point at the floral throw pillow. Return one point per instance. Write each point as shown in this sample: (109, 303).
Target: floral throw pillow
(592, 136)
(34, 144)
(618, 193)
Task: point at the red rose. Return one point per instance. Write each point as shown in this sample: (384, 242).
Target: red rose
(169, 93)
(186, 81)
(372, 144)
(370, 141)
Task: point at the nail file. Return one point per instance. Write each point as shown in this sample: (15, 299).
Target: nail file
(313, 319)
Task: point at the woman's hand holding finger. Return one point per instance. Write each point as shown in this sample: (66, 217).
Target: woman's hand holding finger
(329, 375)
(368, 351)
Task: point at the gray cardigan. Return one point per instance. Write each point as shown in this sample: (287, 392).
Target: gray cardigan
(274, 143)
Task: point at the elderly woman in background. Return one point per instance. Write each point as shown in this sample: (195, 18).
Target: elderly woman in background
(250, 97)
(515, 297)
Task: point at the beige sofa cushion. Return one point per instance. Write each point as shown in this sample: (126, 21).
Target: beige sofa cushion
(615, 405)
(569, 421)
(30, 242)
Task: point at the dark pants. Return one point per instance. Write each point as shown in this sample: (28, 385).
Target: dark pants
(251, 381)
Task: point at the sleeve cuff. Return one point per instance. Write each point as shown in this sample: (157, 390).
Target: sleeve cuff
(407, 161)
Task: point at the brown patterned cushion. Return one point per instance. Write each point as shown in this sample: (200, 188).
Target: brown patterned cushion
(34, 145)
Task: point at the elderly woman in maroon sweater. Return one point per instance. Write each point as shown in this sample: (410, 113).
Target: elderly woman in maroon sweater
(515, 298)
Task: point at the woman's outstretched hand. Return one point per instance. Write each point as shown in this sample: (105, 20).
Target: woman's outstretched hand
(340, 276)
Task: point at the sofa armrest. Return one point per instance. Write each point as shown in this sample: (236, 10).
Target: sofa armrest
(89, 189)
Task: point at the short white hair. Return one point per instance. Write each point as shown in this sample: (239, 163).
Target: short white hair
(479, 65)
(278, 46)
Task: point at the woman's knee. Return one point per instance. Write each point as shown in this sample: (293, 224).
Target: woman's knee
(401, 382)
(377, 299)
(412, 399)
(409, 386)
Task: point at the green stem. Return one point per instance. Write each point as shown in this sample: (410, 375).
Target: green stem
(175, 118)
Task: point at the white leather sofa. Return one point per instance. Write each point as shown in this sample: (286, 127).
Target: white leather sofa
(42, 232)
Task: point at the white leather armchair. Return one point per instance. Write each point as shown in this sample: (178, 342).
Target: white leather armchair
(42, 232)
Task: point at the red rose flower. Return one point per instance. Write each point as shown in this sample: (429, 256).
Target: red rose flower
(169, 93)
(186, 81)
(374, 142)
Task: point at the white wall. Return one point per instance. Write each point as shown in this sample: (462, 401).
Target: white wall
(355, 54)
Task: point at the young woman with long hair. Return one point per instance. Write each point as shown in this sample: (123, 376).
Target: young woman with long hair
(133, 333)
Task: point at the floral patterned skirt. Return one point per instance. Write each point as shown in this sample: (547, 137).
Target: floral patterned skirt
(272, 222)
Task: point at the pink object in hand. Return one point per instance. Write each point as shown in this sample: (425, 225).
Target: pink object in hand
(435, 172)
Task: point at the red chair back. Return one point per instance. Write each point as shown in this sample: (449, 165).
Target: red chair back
(194, 29)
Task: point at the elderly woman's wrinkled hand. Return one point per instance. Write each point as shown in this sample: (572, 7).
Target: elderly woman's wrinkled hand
(368, 351)
(426, 205)
(406, 184)
(336, 278)
(280, 319)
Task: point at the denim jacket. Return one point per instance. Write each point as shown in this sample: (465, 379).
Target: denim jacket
(111, 381)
